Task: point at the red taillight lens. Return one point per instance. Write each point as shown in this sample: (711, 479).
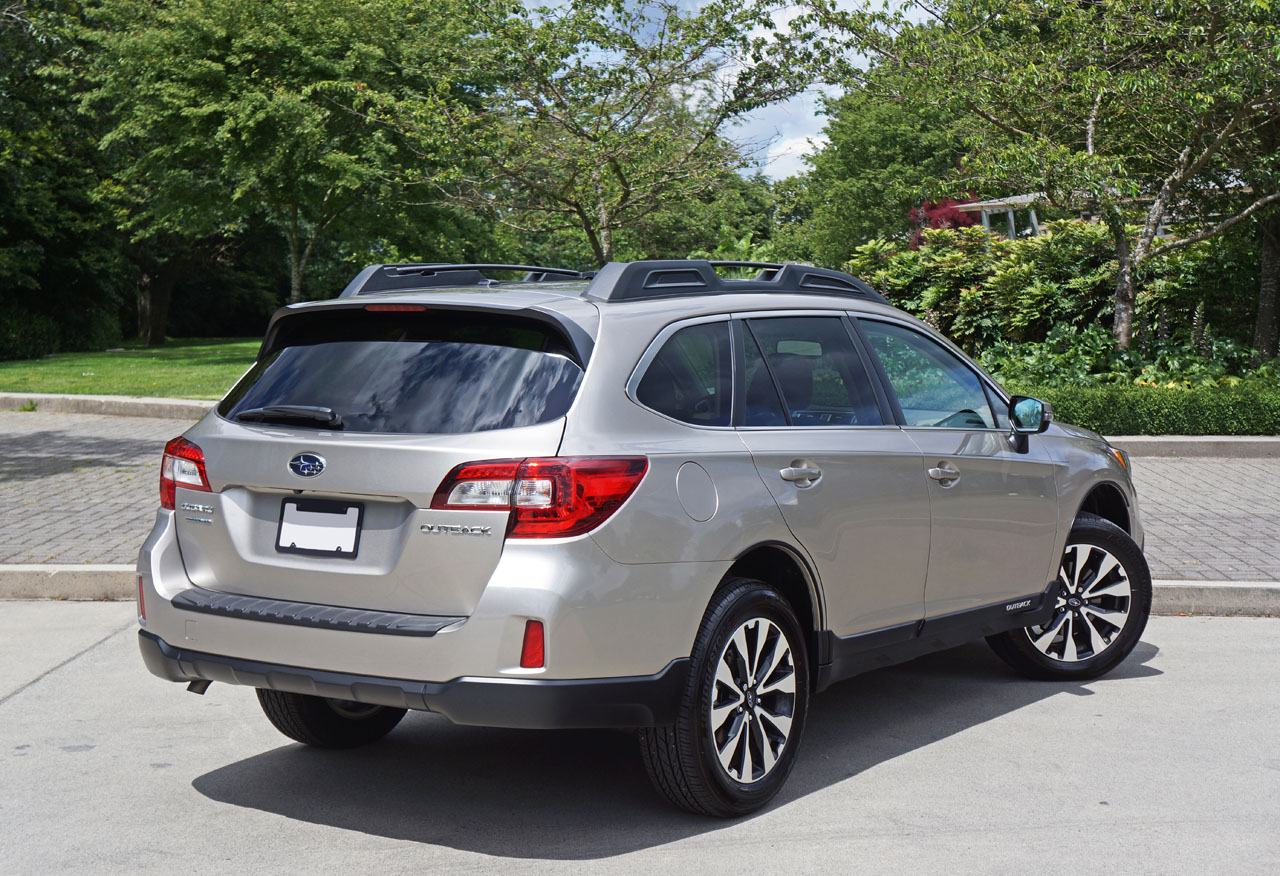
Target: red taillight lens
(533, 652)
(553, 497)
(182, 464)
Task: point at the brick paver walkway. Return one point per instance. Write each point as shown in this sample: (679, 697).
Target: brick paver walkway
(1211, 519)
(78, 488)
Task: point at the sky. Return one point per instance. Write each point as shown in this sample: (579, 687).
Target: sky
(783, 134)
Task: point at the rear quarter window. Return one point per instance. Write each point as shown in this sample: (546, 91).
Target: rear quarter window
(439, 372)
(691, 378)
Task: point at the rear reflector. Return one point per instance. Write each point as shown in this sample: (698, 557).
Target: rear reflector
(533, 653)
(182, 464)
(552, 497)
(142, 602)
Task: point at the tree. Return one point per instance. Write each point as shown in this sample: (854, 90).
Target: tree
(603, 112)
(229, 108)
(1140, 112)
(864, 182)
(59, 255)
(1263, 175)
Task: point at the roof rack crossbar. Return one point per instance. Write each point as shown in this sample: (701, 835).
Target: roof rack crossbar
(429, 275)
(442, 268)
(640, 281)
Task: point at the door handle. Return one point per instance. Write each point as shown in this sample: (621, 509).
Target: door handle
(801, 477)
(944, 474)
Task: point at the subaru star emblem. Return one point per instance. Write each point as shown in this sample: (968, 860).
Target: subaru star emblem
(307, 465)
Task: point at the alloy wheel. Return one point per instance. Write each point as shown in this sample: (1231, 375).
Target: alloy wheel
(753, 700)
(1094, 597)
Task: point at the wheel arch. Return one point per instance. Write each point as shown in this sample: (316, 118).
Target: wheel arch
(782, 567)
(1106, 500)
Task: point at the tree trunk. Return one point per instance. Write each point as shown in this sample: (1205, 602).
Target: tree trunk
(1264, 332)
(606, 245)
(593, 238)
(295, 269)
(144, 306)
(161, 288)
(1124, 304)
(1124, 284)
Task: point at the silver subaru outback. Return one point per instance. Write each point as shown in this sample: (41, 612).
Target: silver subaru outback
(655, 498)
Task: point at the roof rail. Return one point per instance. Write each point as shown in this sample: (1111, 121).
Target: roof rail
(640, 281)
(385, 278)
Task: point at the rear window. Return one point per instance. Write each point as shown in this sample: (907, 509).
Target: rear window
(438, 372)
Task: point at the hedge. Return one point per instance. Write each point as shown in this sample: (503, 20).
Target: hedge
(1144, 410)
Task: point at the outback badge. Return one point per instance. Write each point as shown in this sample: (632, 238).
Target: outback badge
(307, 465)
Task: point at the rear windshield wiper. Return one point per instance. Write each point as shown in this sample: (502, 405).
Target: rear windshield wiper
(301, 414)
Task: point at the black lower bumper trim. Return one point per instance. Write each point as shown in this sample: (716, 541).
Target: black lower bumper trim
(305, 614)
(535, 704)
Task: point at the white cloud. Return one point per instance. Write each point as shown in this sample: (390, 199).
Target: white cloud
(778, 137)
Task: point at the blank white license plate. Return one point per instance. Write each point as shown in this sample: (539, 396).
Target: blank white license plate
(320, 528)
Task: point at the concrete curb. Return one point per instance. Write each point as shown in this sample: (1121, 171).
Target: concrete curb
(1226, 598)
(110, 405)
(1220, 598)
(1229, 446)
(48, 581)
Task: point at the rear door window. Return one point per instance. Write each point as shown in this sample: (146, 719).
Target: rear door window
(816, 371)
(691, 378)
(441, 372)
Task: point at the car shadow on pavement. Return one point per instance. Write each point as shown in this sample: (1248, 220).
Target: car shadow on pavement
(580, 795)
(54, 452)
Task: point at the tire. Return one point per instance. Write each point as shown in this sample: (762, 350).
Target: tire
(1099, 617)
(684, 760)
(327, 723)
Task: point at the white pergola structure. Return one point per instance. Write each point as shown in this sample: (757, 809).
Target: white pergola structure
(1008, 207)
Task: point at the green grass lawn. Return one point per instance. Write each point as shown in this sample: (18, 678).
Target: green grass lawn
(200, 368)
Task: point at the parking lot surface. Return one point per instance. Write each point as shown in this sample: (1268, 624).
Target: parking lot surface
(948, 765)
(82, 488)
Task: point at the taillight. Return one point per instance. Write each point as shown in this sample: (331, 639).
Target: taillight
(183, 463)
(553, 497)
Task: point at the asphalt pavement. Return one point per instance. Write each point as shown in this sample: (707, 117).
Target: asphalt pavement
(950, 764)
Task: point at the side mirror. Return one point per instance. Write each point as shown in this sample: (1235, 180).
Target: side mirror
(1029, 416)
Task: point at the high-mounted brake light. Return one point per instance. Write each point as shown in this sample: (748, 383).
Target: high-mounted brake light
(182, 464)
(396, 308)
(552, 497)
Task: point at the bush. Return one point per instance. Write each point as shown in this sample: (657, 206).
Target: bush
(1089, 358)
(980, 288)
(1251, 408)
(26, 335)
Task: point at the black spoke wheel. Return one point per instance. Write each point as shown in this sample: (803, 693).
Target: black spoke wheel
(743, 710)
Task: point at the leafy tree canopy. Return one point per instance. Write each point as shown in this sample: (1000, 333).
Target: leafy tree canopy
(880, 157)
(604, 112)
(228, 108)
(1142, 112)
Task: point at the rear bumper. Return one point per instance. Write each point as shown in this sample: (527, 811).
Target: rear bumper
(535, 704)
